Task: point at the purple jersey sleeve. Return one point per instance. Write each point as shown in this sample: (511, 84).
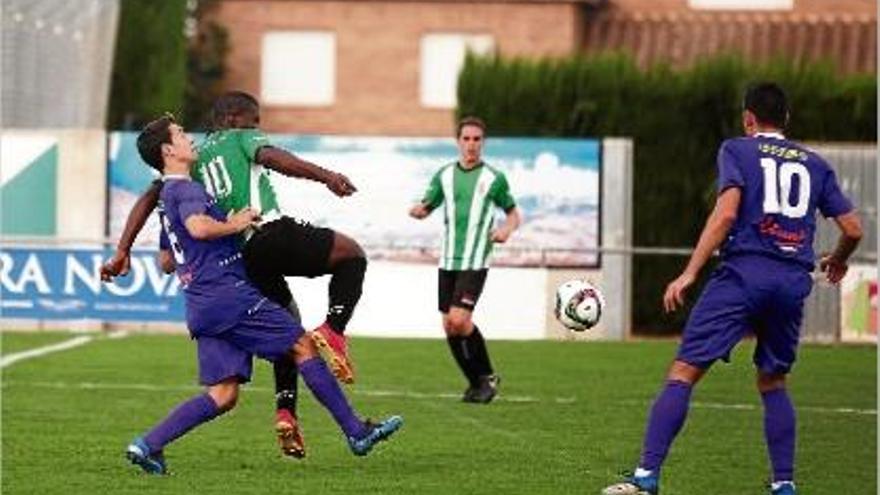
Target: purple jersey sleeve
(192, 200)
(833, 203)
(729, 173)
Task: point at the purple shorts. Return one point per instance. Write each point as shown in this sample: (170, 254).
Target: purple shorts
(748, 294)
(269, 333)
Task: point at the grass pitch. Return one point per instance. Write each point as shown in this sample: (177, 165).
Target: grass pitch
(570, 416)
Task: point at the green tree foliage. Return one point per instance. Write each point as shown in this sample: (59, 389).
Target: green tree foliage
(677, 119)
(149, 69)
(206, 65)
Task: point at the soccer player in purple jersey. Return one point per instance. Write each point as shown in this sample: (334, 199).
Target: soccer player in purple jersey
(227, 316)
(231, 165)
(769, 190)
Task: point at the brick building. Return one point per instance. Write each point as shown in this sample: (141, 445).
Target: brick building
(681, 31)
(390, 66)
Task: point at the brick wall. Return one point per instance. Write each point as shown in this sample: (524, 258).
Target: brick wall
(377, 47)
(666, 30)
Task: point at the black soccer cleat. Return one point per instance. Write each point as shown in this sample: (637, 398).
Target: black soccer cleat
(484, 392)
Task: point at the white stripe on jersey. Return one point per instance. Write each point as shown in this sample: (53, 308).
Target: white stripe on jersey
(478, 202)
(449, 201)
(255, 201)
(482, 260)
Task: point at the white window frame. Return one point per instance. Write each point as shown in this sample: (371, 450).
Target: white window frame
(741, 4)
(442, 57)
(298, 68)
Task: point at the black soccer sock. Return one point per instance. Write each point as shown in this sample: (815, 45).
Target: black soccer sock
(346, 286)
(464, 357)
(482, 364)
(285, 385)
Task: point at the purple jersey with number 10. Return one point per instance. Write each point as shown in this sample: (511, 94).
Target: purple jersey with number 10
(211, 272)
(762, 284)
(783, 184)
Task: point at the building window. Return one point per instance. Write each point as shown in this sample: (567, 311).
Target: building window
(742, 4)
(298, 68)
(442, 60)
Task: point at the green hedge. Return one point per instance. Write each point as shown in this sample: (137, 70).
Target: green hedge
(677, 119)
(149, 66)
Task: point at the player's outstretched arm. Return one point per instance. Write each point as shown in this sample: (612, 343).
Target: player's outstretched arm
(291, 165)
(511, 222)
(419, 211)
(717, 226)
(835, 264)
(205, 228)
(119, 263)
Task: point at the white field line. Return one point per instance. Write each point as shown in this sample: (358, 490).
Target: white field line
(483, 425)
(405, 394)
(754, 407)
(42, 351)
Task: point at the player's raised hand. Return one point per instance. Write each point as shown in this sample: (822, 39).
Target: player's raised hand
(834, 269)
(116, 266)
(340, 185)
(673, 298)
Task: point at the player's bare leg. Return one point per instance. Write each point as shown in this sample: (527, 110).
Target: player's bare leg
(361, 436)
(290, 438)
(347, 264)
(469, 350)
(147, 451)
(665, 420)
(287, 430)
(779, 431)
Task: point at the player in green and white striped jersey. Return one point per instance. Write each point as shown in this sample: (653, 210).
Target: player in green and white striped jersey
(469, 191)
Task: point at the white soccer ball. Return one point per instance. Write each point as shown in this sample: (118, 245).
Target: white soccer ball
(579, 305)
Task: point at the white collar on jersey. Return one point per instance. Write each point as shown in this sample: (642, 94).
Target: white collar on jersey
(175, 177)
(774, 135)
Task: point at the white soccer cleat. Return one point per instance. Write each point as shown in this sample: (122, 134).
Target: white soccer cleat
(647, 484)
(624, 489)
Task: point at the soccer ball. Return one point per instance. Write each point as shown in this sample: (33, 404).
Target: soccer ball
(579, 305)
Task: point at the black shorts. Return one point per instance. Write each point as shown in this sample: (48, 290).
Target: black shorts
(286, 248)
(460, 288)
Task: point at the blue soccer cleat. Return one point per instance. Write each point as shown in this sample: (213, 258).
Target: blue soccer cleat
(783, 488)
(375, 434)
(138, 453)
(635, 485)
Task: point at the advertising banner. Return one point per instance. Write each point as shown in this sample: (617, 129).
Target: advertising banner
(555, 182)
(859, 304)
(64, 284)
(28, 183)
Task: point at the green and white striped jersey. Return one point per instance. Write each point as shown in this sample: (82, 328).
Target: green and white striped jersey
(228, 169)
(469, 197)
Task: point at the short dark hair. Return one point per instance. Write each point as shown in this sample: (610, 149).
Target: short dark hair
(768, 102)
(469, 120)
(232, 104)
(151, 139)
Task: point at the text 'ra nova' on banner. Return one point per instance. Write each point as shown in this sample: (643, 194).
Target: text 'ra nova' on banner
(65, 284)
